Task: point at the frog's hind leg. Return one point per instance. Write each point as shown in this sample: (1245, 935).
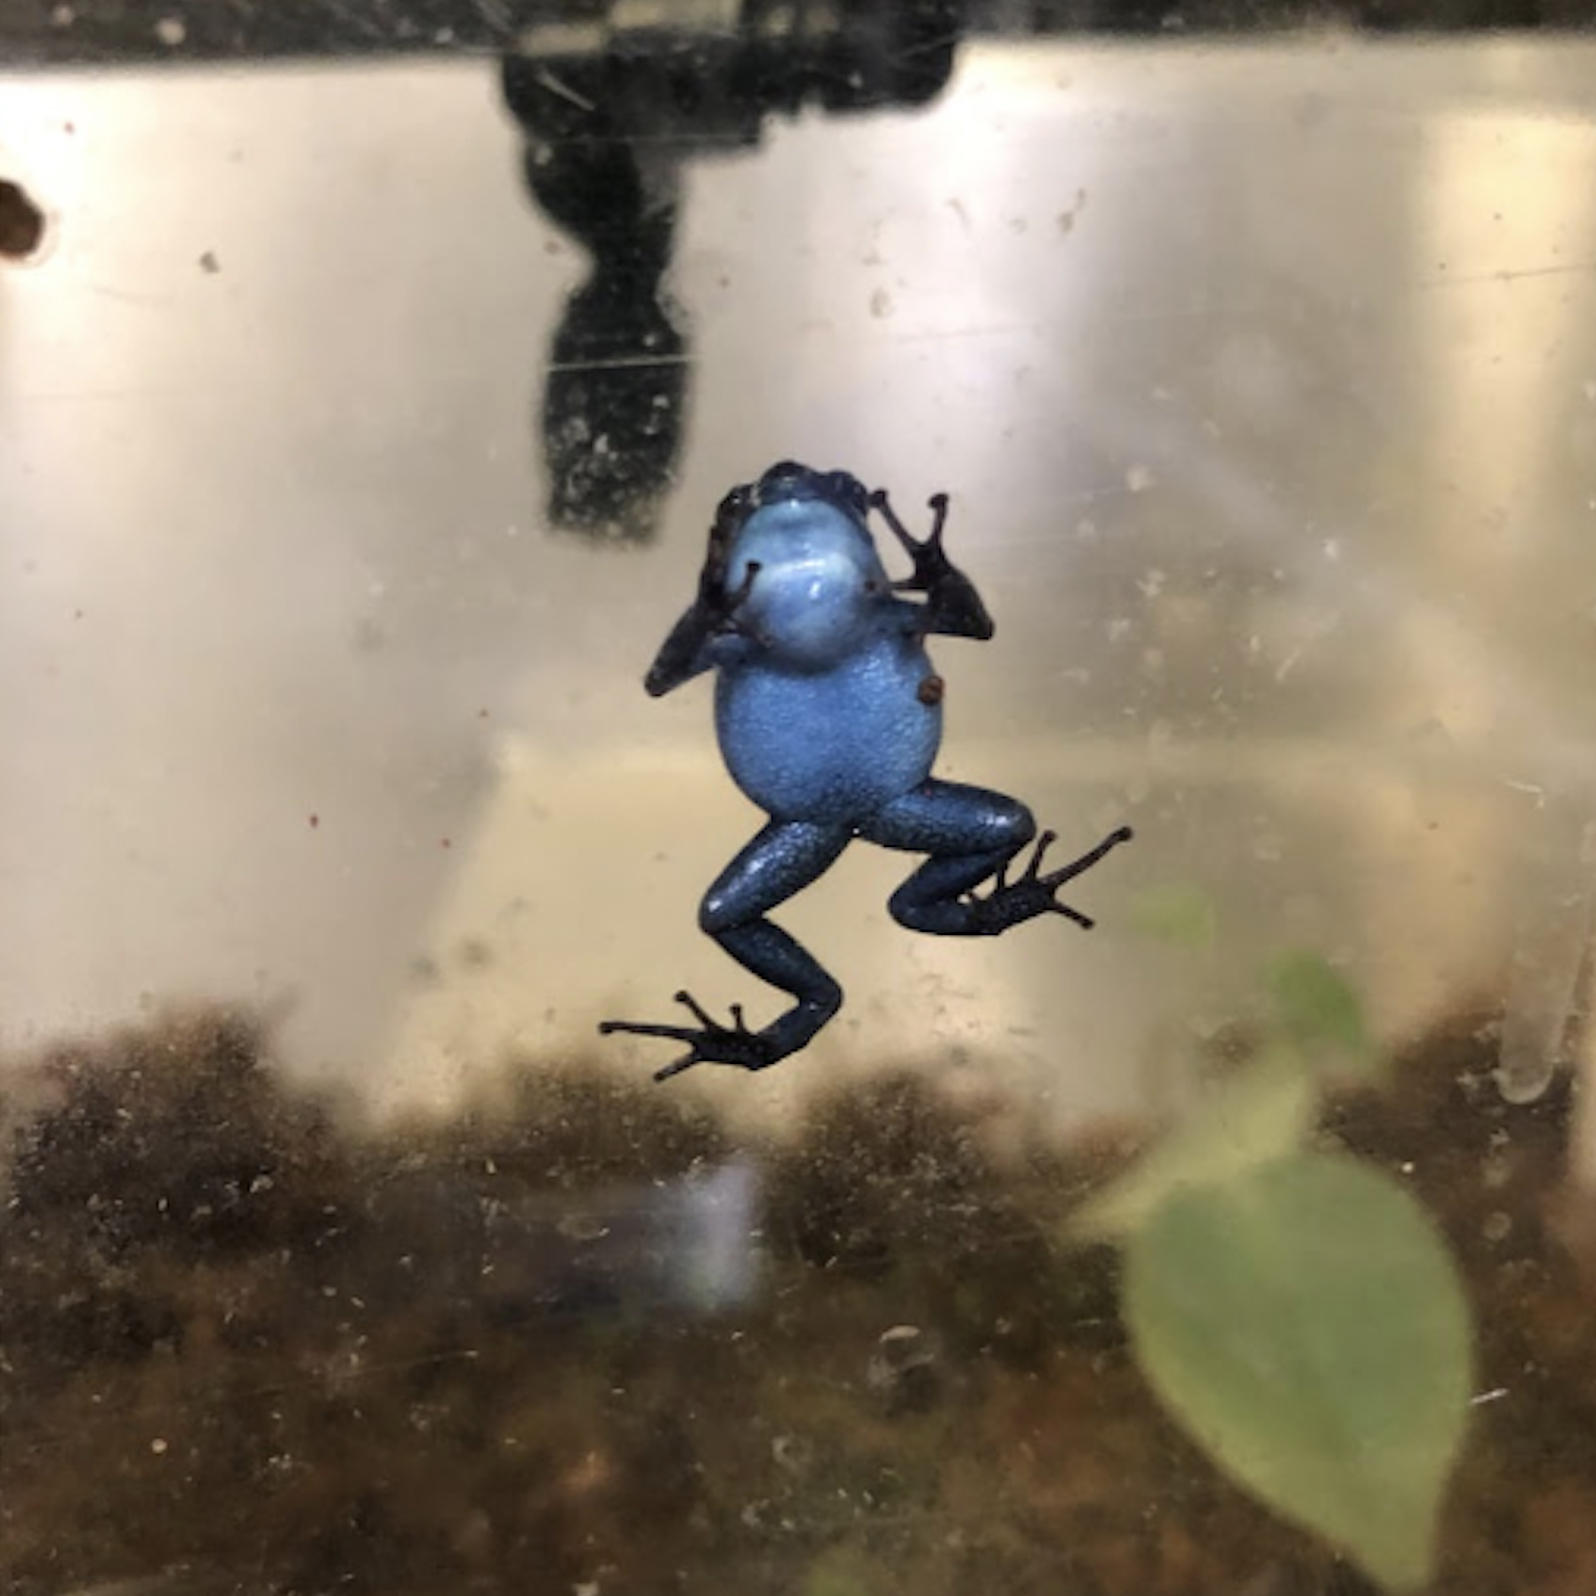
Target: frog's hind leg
(781, 861)
(972, 835)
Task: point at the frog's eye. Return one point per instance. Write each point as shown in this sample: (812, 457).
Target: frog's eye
(847, 490)
(734, 508)
(783, 479)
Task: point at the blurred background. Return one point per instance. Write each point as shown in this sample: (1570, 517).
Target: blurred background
(369, 375)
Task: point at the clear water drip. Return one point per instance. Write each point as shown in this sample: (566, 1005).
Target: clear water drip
(1551, 951)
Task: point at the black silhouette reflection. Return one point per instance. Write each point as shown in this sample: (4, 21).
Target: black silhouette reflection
(611, 112)
(616, 386)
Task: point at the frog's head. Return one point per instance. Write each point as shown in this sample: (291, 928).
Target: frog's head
(787, 480)
(818, 590)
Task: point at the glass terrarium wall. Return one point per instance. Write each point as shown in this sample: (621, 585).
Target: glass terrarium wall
(361, 426)
(1261, 378)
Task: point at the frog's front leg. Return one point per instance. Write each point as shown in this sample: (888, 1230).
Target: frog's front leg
(972, 836)
(953, 608)
(781, 861)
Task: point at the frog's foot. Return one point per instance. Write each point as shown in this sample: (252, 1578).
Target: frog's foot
(729, 617)
(708, 1042)
(931, 564)
(953, 607)
(1032, 893)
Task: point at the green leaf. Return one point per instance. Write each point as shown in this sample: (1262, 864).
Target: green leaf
(1308, 1328)
(1317, 1007)
(1259, 1114)
(1178, 912)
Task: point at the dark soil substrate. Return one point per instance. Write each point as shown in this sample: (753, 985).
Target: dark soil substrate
(244, 1348)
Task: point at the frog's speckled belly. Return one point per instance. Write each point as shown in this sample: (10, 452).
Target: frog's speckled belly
(832, 746)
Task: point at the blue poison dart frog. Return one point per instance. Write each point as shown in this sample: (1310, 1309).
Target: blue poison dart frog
(829, 717)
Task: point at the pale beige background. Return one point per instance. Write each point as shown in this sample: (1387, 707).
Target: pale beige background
(1264, 381)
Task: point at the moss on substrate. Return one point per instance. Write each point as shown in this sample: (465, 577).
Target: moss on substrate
(247, 1345)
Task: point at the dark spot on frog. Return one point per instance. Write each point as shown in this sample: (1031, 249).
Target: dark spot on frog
(930, 690)
(21, 222)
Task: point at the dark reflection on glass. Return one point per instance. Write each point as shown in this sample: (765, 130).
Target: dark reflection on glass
(103, 31)
(612, 409)
(611, 113)
(616, 387)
